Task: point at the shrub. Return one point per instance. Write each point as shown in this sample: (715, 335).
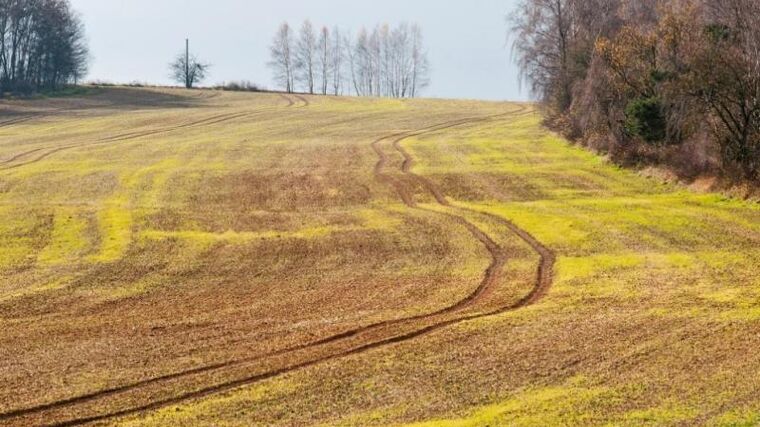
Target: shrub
(241, 86)
(644, 118)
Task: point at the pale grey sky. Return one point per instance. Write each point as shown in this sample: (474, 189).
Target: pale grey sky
(133, 40)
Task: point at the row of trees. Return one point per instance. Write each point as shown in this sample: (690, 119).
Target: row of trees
(387, 61)
(42, 45)
(675, 81)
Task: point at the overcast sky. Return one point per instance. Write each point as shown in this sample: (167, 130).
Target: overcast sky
(133, 40)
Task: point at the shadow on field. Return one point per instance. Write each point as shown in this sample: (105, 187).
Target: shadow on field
(100, 100)
(140, 98)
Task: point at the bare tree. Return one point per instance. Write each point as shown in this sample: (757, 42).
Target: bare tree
(351, 55)
(362, 64)
(375, 62)
(336, 60)
(281, 54)
(324, 58)
(306, 56)
(420, 78)
(397, 64)
(188, 69)
(726, 76)
(542, 44)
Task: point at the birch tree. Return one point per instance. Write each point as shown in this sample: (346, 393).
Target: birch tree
(281, 54)
(306, 56)
(324, 58)
(336, 61)
(420, 67)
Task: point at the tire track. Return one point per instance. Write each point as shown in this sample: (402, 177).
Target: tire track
(304, 100)
(123, 137)
(459, 305)
(347, 334)
(543, 281)
(18, 120)
(208, 121)
(547, 256)
(288, 99)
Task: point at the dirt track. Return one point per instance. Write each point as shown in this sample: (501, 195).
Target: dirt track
(171, 389)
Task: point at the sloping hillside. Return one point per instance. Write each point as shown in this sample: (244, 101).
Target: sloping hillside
(205, 258)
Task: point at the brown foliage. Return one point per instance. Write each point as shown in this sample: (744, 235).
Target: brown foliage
(679, 76)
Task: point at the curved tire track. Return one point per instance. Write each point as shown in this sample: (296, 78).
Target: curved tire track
(469, 299)
(543, 281)
(547, 256)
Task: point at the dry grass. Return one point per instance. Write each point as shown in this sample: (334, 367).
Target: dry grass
(145, 233)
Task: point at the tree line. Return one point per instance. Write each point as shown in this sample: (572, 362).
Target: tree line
(390, 62)
(42, 45)
(649, 80)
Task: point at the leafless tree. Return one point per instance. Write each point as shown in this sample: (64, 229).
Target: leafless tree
(362, 64)
(727, 71)
(324, 58)
(398, 61)
(187, 69)
(306, 56)
(351, 56)
(281, 58)
(420, 66)
(336, 61)
(542, 31)
(375, 62)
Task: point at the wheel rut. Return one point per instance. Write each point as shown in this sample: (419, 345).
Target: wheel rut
(8, 164)
(165, 390)
(19, 120)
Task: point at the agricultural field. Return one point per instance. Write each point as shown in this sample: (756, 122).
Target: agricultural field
(183, 258)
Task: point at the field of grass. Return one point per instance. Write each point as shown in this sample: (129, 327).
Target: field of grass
(182, 258)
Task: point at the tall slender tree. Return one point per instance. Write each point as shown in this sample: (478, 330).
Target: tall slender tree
(337, 61)
(324, 59)
(420, 67)
(281, 58)
(542, 43)
(306, 56)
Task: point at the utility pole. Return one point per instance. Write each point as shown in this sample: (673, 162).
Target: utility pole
(187, 63)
